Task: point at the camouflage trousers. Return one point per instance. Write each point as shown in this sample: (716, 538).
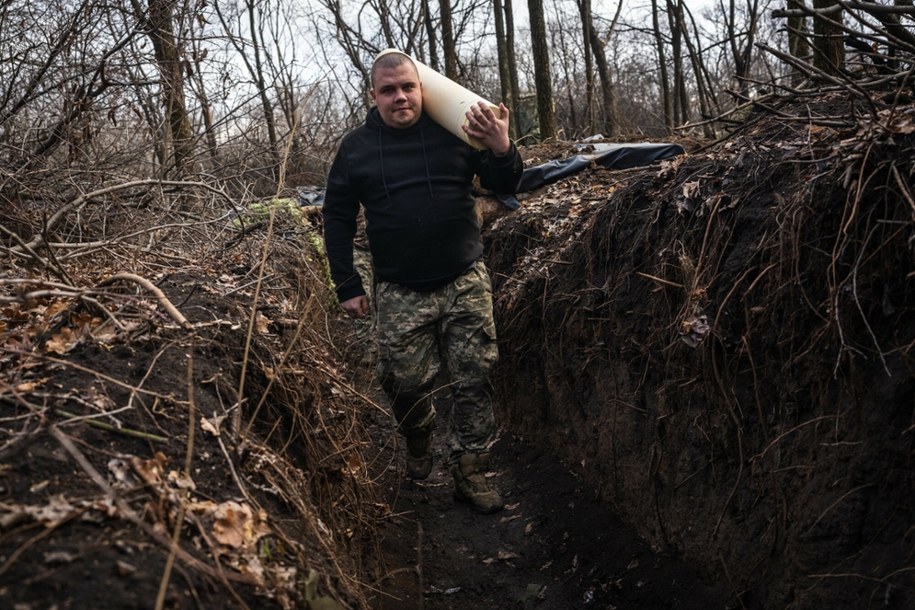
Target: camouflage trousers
(365, 327)
(449, 331)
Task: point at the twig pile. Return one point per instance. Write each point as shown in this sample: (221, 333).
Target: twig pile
(189, 375)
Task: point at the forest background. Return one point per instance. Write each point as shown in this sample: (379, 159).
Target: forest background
(257, 93)
(135, 135)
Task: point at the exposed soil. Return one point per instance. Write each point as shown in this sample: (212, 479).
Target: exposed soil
(725, 345)
(66, 545)
(100, 424)
(553, 547)
(708, 360)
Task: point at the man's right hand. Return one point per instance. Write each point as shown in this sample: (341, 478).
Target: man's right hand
(356, 307)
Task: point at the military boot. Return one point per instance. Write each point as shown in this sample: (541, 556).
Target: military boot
(419, 451)
(470, 483)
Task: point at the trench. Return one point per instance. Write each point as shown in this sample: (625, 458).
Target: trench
(716, 358)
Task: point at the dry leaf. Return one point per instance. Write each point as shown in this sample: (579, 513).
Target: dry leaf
(237, 526)
(62, 342)
(181, 481)
(213, 424)
(353, 464)
(53, 309)
(27, 386)
(691, 189)
(150, 470)
(52, 513)
(101, 401)
(123, 477)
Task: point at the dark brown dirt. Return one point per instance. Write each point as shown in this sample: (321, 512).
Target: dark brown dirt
(725, 345)
(70, 541)
(554, 547)
(87, 513)
(710, 362)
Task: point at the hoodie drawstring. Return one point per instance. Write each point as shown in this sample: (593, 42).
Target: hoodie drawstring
(384, 179)
(422, 140)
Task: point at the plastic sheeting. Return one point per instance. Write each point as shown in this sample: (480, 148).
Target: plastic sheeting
(611, 156)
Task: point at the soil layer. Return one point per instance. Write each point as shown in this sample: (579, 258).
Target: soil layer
(722, 346)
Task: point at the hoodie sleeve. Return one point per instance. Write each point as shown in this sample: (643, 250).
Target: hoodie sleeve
(501, 174)
(341, 208)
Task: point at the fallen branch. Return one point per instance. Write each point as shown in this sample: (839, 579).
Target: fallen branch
(112, 428)
(82, 200)
(172, 311)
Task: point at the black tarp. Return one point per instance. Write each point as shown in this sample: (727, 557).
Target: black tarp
(610, 156)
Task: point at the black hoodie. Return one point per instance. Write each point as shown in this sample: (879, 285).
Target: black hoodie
(415, 186)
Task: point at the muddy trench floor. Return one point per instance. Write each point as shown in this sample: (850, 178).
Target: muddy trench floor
(553, 547)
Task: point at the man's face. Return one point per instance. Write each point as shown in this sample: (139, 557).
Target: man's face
(398, 95)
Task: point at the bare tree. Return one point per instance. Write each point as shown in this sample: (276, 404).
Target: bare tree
(587, 27)
(169, 57)
(430, 34)
(798, 44)
(515, 99)
(608, 98)
(505, 87)
(546, 113)
(254, 64)
(667, 105)
(448, 45)
(677, 33)
(828, 48)
(598, 48)
(741, 26)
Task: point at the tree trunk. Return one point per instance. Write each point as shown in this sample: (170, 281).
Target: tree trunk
(666, 99)
(584, 9)
(681, 98)
(430, 34)
(168, 59)
(608, 103)
(829, 49)
(695, 59)
(798, 44)
(515, 98)
(546, 114)
(448, 45)
(505, 89)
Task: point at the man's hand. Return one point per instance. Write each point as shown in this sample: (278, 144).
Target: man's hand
(491, 131)
(356, 307)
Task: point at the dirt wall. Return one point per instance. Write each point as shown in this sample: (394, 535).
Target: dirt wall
(722, 346)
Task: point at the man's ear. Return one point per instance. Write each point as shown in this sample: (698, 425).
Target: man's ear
(372, 93)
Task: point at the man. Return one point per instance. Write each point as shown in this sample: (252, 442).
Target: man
(433, 298)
